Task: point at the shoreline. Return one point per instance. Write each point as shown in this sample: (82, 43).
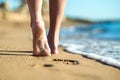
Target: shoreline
(17, 63)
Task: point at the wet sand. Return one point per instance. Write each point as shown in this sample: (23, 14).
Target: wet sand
(16, 62)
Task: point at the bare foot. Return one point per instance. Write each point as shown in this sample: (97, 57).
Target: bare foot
(53, 43)
(40, 44)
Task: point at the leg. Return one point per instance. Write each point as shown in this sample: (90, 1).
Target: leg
(56, 14)
(40, 44)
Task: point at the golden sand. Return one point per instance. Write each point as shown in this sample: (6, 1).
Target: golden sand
(16, 62)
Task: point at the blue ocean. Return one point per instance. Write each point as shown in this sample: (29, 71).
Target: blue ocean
(100, 41)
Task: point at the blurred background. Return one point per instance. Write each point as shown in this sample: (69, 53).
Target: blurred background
(103, 13)
(13, 10)
(77, 12)
(94, 10)
(84, 10)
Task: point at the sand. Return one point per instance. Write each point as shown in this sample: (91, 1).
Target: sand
(16, 62)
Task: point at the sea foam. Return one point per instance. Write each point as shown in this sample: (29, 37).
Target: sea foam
(97, 41)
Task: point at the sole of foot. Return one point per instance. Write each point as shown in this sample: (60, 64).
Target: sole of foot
(40, 43)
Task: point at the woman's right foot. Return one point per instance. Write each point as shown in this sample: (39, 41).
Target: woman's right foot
(53, 43)
(40, 43)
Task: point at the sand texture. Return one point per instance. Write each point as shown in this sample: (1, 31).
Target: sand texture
(16, 62)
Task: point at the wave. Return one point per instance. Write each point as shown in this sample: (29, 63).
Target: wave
(98, 41)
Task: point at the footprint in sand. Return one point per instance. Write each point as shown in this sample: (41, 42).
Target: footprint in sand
(64, 61)
(67, 61)
(48, 65)
(38, 65)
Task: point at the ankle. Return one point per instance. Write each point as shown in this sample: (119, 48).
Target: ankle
(53, 43)
(37, 24)
(36, 17)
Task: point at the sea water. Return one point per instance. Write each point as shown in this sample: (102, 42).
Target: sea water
(100, 41)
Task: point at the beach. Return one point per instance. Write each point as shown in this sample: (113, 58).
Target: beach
(16, 62)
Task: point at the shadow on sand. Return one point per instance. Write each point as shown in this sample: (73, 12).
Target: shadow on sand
(14, 53)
